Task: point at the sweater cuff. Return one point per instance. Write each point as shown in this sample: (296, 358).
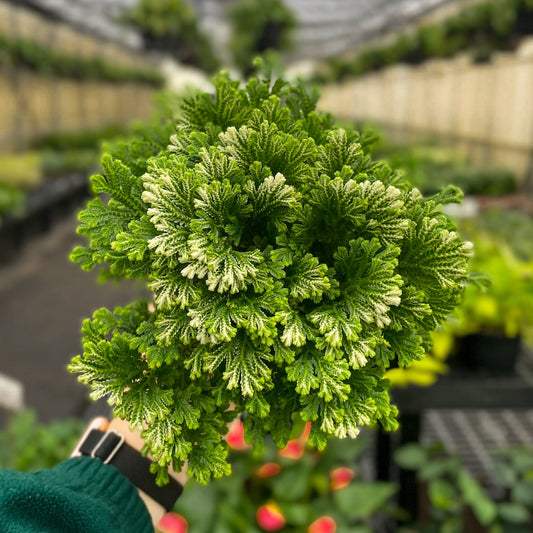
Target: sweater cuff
(107, 486)
(82, 494)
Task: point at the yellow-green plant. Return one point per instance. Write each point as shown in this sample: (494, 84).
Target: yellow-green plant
(505, 305)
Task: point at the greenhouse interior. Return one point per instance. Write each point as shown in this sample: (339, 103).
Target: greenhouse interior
(266, 265)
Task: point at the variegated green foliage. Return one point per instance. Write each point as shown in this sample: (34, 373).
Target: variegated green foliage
(289, 270)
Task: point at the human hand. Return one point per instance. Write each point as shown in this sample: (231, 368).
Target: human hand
(134, 439)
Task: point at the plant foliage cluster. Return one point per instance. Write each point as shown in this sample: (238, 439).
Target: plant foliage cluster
(259, 26)
(171, 26)
(27, 446)
(289, 270)
(302, 487)
(22, 53)
(504, 306)
(481, 29)
(432, 167)
(12, 200)
(299, 487)
(452, 489)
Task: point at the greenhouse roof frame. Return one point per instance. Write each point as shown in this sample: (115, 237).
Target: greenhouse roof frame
(326, 27)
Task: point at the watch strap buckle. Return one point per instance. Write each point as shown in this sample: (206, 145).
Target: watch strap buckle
(111, 448)
(105, 456)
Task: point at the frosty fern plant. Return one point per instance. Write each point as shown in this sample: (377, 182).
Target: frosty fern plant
(289, 271)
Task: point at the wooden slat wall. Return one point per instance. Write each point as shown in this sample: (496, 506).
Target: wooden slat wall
(485, 110)
(33, 105)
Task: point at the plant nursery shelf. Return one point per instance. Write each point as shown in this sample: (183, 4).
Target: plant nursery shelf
(44, 205)
(474, 392)
(458, 390)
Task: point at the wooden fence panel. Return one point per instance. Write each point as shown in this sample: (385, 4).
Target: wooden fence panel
(37, 94)
(8, 111)
(485, 110)
(33, 105)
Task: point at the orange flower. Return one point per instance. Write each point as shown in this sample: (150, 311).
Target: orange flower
(304, 437)
(269, 517)
(268, 470)
(324, 524)
(294, 450)
(172, 523)
(235, 436)
(341, 477)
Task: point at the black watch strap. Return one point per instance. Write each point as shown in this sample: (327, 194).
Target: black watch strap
(110, 448)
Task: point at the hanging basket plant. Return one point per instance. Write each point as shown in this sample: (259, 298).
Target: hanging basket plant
(259, 26)
(171, 26)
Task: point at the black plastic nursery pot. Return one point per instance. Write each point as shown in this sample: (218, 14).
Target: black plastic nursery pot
(270, 37)
(488, 353)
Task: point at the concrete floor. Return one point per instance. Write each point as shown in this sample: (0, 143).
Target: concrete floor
(43, 300)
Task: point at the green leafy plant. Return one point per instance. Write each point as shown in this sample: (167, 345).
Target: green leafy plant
(514, 473)
(496, 317)
(432, 167)
(510, 226)
(426, 371)
(288, 271)
(171, 26)
(452, 490)
(12, 200)
(295, 490)
(21, 53)
(480, 29)
(504, 306)
(26, 445)
(259, 26)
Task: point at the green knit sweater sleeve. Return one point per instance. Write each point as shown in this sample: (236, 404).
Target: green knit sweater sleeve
(80, 495)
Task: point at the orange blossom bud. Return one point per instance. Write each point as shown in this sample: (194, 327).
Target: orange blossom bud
(172, 523)
(324, 524)
(269, 517)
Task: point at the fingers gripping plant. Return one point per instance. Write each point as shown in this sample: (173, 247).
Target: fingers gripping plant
(289, 270)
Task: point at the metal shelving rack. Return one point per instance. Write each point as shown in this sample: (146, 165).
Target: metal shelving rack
(472, 414)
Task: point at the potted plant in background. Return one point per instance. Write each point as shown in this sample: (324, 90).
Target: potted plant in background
(494, 318)
(28, 445)
(259, 26)
(454, 500)
(295, 489)
(171, 26)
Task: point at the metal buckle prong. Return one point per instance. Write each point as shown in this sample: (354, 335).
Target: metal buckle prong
(115, 449)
